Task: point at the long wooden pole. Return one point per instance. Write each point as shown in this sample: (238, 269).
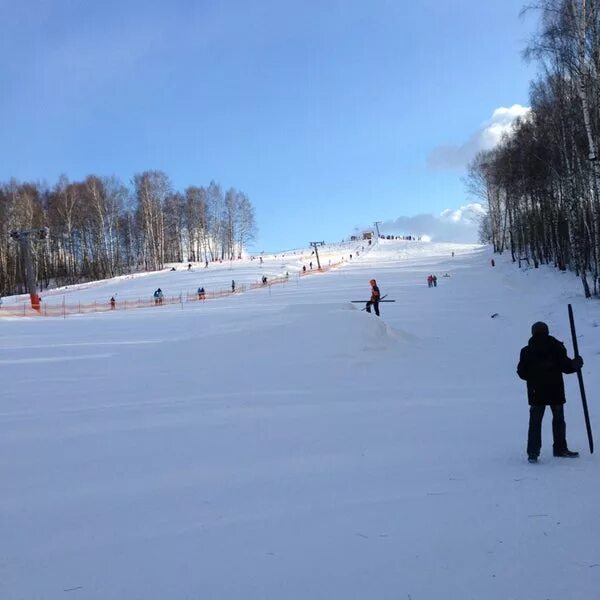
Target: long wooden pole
(586, 413)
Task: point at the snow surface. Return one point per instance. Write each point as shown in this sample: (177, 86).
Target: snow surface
(284, 444)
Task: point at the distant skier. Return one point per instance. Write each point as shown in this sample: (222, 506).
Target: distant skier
(304, 268)
(206, 264)
(434, 279)
(232, 286)
(542, 364)
(201, 293)
(310, 265)
(189, 266)
(453, 254)
(493, 262)
(375, 296)
(160, 295)
(264, 280)
(113, 303)
(429, 280)
(155, 295)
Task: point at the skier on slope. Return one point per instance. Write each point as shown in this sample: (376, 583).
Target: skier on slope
(375, 296)
(542, 364)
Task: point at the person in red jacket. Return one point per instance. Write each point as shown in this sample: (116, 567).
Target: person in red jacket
(375, 297)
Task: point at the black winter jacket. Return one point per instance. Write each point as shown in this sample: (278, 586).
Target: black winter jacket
(541, 365)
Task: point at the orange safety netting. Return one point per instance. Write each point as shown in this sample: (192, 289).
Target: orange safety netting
(64, 309)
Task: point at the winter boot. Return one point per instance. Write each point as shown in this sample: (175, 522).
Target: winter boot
(566, 454)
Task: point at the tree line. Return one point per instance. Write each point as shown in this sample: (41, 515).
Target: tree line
(542, 182)
(99, 228)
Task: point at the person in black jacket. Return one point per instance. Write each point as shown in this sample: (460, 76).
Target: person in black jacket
(542, 364)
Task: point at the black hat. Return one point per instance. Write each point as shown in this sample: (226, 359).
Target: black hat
(540, 328)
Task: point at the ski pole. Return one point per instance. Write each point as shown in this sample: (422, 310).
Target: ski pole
(380, 300)
(586, 414)
(364, 301)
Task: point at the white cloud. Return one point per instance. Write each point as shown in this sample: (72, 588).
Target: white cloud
(451, 225)
(485, 138)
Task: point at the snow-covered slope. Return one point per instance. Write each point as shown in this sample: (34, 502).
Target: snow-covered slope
(284, 444)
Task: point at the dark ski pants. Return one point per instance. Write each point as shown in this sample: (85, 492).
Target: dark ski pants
(559, 429)
(375, 305)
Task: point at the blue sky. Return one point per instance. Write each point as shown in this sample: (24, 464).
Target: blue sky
(326, 113)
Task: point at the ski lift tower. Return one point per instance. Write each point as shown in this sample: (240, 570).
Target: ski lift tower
(377, 224)
(25, 237)
(315, 245)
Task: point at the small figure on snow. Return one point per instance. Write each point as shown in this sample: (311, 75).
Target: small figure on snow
(113, 303)
(304, 268)
(429, 280)
(375, 296)
(232, 286)
(493, 262)
(189, 266)
(264, 280)
(434, 279)
(201, 293)
(542, 364)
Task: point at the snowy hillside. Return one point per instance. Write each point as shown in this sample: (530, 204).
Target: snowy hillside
(283, 444)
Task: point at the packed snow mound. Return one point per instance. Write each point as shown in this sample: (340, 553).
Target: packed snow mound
(333, 331)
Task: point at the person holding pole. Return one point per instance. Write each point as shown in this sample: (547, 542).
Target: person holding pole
(542, 364)
(375, 297)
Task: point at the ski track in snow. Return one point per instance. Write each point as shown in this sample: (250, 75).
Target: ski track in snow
(282, 444)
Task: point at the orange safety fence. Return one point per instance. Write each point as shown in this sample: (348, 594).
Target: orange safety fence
(79, 308)
(320, 269)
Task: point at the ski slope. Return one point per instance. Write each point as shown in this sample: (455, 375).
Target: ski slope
(284, 444)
